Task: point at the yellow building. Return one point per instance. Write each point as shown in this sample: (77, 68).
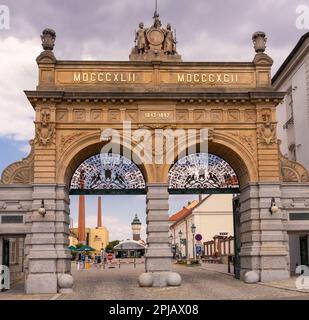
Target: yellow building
(73, 237)
(97, 238)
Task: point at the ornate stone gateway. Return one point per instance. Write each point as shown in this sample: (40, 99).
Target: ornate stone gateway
(76, 101)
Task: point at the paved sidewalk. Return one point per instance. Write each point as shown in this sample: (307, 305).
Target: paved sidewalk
(222, 268)
(198, 284)
(289, 284)
(17, 293)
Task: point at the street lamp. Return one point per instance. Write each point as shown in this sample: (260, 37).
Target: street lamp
(193, 229)
(171, 244)
(273, 206)
(42, 210)
(180, 236)
(171, 239)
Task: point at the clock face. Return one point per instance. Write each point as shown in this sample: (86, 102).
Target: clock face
(155, 37)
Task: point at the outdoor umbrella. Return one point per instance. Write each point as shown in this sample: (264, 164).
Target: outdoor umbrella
(72, 248)
(85, 248)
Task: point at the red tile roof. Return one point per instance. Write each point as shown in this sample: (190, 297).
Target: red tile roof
(185, 211)
(178, 215)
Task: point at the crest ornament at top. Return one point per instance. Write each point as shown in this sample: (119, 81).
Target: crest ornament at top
(48, 39)
(155, 42)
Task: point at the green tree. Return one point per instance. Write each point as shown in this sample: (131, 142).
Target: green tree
(111, 245)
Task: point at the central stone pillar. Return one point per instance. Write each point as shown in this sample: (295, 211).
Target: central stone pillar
(158, 253)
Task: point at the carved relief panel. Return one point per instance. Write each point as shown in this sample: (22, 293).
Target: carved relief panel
(45, 129)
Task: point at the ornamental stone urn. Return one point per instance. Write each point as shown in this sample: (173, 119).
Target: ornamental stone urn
(259, 40)
(48, 39)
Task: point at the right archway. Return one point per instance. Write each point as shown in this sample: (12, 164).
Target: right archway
(261, 247)
(214, 217)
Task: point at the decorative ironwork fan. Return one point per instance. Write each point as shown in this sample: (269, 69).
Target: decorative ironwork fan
(202, 171)
(107, 172)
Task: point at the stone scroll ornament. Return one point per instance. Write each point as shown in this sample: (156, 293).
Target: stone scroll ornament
(20, 172)
(292, 171)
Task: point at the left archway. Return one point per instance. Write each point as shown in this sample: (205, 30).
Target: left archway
(87, 146)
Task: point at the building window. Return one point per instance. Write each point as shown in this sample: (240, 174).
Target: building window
(12, 219)
(301, 216)
(290, 106)
(289, 110)
(292, 152)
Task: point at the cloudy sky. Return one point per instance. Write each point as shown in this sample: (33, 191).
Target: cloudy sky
(212, 30)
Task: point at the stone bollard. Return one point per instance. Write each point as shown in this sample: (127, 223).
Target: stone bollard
(65, 283)
(251, 277)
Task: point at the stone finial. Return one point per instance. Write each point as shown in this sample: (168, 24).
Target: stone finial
(259, 40)
(48, 39)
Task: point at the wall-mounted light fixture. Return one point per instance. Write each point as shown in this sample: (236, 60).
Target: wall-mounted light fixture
(171, 239)
(273, 207)
(42, 210)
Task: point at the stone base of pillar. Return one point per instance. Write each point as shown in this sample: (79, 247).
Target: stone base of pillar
(266, 275)
(158, 264)
(49, 283)
(274, 275)
(65, 291)
(41, 284)
(160, 279)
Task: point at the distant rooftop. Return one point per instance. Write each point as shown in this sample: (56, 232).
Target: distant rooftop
(136, 220)
(185, 211)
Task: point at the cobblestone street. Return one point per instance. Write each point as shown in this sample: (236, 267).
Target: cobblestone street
(207, 282)
(198, 283)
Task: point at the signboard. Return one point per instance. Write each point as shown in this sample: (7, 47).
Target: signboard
(198, 237)
(198, 249)
(4, 278)
(110, 257)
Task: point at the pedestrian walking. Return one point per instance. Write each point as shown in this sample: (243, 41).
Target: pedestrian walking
(83, 259)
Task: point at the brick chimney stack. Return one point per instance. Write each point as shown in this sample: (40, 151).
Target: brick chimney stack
(81, 214)
(99, 213)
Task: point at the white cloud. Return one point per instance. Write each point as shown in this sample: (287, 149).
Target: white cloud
(25, 148)
(19, 72)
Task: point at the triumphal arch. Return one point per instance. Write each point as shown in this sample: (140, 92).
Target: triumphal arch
(80, 105)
